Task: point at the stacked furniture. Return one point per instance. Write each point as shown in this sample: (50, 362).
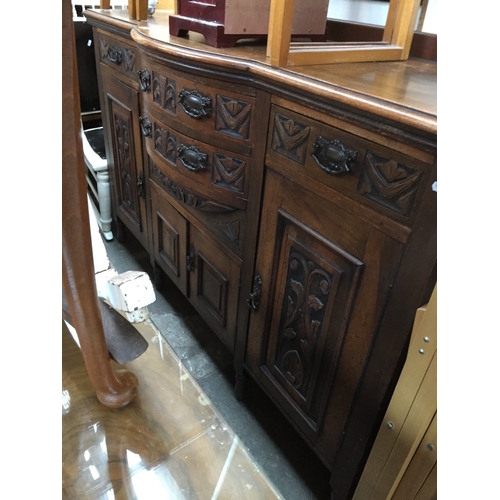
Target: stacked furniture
(294, 208)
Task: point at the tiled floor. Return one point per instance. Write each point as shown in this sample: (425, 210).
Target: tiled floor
(185, 433)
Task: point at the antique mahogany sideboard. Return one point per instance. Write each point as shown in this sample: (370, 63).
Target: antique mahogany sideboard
(295, 208)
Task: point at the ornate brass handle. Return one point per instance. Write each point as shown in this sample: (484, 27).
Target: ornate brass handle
(146, 125)
(253, 300)
(333, 157)
(195, 104)
(115, 55)
(192, 158)
(144, 79)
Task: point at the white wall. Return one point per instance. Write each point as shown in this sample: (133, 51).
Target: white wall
(375, 12)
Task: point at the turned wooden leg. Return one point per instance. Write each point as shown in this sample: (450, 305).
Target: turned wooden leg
(114, 389)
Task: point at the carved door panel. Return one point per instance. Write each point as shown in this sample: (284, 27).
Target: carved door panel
(126, 163)
(214, 277)
(325, 279)
(170, 233)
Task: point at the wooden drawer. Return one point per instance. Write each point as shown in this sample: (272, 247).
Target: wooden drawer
(369, 173)
(211, 172)
(118, 55)
(211, 111)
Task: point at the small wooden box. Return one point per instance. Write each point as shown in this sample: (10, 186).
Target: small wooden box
(224, 22)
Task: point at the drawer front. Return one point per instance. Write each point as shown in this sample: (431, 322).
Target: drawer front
(386, 180)
(212, 172)
(118, 55)
(214, 112)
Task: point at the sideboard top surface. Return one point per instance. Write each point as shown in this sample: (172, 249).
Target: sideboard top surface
(402, 91)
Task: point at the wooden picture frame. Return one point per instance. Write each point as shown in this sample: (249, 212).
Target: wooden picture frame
(394, 46)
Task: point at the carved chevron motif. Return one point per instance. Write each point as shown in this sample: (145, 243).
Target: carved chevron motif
(129, 59)
(104, 48)
(229, 172)
(230, 229)
(164, 91)
(187, 197)
(165, 143)
(290, 138)
(233, 117)
(389, 183)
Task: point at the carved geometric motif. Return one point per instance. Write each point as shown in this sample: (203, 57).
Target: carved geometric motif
(389, 183)
(290, 138)
(128, 59)
(165, 143)
(230, 229)
(104, 48)
(232, 117)
(164, 92)
(229, 172)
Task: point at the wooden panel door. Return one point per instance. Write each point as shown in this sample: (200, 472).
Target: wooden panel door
(326, 276)
(126, 164)
(214, 277)
(170, 233)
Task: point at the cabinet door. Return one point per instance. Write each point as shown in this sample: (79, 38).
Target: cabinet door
(170, 230)
(214, 285)
(126, 163)
(325, 277)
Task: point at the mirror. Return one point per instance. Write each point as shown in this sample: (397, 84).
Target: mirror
(375, 12)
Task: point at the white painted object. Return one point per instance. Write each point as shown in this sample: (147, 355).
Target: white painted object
(130, 292)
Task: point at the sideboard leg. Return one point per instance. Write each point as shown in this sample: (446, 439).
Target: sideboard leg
(240, 386)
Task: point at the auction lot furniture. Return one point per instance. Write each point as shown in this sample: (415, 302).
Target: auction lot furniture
(294, 207)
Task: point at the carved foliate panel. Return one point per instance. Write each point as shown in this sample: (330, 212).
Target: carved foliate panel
(233, 117)
(316, 285)
(165, 143)
(124, 159)
(389, 183)
(290, 138)
(186, 196)
(164, 92)
(229, 172)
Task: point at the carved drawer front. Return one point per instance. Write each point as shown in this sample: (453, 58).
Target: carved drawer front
(217, 112)
(384, 179)
(118, 55)
(170, 231)
(212, 172)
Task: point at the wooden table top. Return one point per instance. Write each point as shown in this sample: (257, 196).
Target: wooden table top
(403, 91)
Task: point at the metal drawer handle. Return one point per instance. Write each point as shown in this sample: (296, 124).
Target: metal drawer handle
(115, 55)
(144, 79)
(333, 157)
(195, 104)
(192, 158)
(253, 300)
(146, 125)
